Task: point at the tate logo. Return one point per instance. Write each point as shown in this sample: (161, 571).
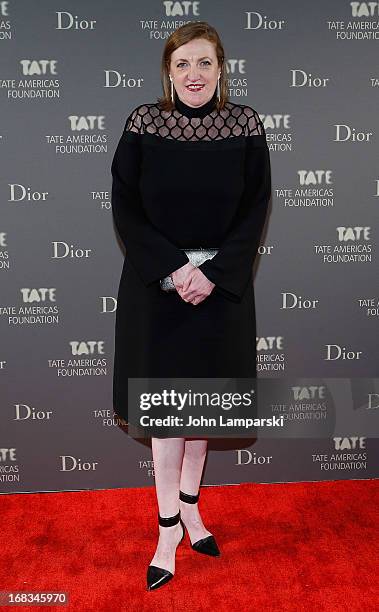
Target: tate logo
(301, 79)
(276, 121)
(353, 233)
(315, 177)
(236, 66)
(308, 393)
(89, 122)
(7, 454)
(4, 9)
(181, 9)
(67, 21)
(270, 343)
(88, 347)
(39, 67)
(38, 295)
(364, 9)
(351, 443)
(373, 401)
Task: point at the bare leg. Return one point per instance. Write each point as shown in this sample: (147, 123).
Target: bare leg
(167, 457)
(195, 452)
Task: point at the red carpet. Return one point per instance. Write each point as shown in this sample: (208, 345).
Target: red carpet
(300, 546)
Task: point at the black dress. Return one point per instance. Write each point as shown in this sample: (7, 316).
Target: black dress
(189, 178)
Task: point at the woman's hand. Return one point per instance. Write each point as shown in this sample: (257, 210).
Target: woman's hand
(191, 284)
(180, 275)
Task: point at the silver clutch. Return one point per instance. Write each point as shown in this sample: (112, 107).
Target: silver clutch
(196, 257)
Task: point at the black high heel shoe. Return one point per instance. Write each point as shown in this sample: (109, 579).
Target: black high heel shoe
(208, 545)
(158, 576)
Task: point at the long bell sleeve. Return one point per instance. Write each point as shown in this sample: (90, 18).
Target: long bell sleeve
(152, 255)
(231, 268)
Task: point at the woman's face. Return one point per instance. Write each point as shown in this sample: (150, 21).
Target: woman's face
(191, 64)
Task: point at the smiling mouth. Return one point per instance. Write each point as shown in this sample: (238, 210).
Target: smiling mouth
(194, 87)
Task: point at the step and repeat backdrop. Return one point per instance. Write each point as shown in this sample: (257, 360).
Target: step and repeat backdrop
(71, 72)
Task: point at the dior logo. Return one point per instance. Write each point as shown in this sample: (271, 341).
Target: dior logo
(350, 443)
(265, 249)
(19, 193)
(353, 233)
(113, 78)
(256, 21)
(315, 177)
(291, 300)
(7, 454)
(180, 9)
(89, 347)
(67, 21)
(344, 132)
(90, 122)
(24, 412)
(301, 79)
(3, 239)
(109, 304)
(245, 457)
(335, 352)
(70, 463)
(39, 67)
(364, 9)
(270, 343)
(4, 9)
(62, 250)
(308, 393)
(38, 295)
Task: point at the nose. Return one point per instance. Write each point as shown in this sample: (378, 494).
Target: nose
(193, 73)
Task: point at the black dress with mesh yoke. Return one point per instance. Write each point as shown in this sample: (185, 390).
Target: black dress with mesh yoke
(188, 178)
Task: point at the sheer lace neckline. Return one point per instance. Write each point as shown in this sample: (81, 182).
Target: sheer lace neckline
(230, 122)
(199, 111)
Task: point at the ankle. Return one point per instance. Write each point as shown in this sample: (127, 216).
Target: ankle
(170, 530)
(187, 508)
(189, 498)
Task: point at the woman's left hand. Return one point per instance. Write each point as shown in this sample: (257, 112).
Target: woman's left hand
(196, 287)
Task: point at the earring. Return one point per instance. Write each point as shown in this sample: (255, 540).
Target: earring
(172, 90)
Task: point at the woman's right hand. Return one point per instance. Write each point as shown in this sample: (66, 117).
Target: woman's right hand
(180, 275)
(198, 287)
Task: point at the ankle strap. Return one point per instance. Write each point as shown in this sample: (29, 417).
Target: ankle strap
(189, 499)
(168, 521)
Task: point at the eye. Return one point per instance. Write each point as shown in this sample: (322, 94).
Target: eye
(203, 62)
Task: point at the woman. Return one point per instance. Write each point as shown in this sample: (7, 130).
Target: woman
(191, 170)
